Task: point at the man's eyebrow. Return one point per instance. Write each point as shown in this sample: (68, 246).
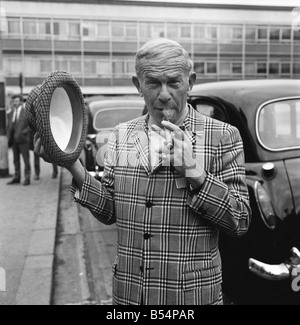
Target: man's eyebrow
(169, 76)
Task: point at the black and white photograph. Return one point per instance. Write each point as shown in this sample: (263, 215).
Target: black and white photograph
(149, 155)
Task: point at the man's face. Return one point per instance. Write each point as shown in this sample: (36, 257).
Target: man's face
(165, 91)
(16, 102)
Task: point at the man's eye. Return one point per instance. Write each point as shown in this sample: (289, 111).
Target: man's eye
(175, 83)
(152, 82)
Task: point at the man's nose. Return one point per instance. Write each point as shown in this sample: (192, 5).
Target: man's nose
(164, 95)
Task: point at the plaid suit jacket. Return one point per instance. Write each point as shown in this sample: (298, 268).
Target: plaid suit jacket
(168, 235)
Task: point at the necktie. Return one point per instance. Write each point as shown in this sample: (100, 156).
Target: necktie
(16, 115)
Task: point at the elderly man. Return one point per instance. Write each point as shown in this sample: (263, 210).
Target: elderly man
(173, 179)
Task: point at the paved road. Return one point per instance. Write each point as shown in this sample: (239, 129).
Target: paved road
(27, 234)
(85, 250)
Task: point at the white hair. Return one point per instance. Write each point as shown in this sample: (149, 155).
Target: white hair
(161, 51)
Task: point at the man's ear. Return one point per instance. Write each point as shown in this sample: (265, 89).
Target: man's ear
(192, 80)
(137, 84)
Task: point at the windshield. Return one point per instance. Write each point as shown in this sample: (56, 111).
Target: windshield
(109, 118)
(278, 125)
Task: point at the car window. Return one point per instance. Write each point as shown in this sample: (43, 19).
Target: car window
(278, 125)
(108, 118)
(211, 111)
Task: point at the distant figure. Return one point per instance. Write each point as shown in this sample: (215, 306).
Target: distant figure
(37, 168)
(19, 139)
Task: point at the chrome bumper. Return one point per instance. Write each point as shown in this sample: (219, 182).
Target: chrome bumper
(277, 272)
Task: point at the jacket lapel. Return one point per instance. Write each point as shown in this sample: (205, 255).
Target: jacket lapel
(141, 144)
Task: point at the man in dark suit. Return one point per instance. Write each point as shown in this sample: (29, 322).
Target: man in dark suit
(19, 139)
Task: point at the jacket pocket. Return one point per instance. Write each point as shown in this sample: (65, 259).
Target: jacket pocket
(202, 286)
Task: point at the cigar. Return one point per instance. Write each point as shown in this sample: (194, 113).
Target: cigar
(169, 139)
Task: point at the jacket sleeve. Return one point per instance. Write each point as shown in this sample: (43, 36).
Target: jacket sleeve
(223, 199)
(97, 196)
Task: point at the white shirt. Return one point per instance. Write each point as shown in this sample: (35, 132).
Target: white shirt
(17, 112)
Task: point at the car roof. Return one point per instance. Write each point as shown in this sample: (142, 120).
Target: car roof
(245, 94)
(110, 97)
(97, 105)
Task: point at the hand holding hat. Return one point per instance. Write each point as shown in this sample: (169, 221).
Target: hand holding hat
(56, 112)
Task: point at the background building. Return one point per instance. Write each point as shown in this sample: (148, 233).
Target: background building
(96, 40)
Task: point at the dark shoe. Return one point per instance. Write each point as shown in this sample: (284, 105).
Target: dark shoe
(13, 181)
(26, 182)
(36, 177)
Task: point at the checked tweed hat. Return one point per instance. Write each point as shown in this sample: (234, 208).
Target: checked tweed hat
(38, 115)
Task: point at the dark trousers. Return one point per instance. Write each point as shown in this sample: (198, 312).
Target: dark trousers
(18, 151)
(37, 168)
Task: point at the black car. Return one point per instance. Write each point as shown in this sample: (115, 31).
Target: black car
(262, 267)
(104, 114)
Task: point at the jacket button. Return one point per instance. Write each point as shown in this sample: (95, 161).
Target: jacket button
(149, 204)
(147, 236)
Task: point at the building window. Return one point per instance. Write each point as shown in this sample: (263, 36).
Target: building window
(261, 67)
(145, 30)
(185, 31)
(45, 66)
(158, 30)
(199, 67)
(90, 67)
(56, 28)
(262, 34)
(131, 30)
(103, 29)
(14, 27)
(225, 68)
(273, 68)
(211, 67)
(250, 33)
(236, 67)
(274, 34)
(44, 28)
(199, 31)
(286, 34)
(74, 29)
(285, 68)
(211, 32)
(250, 68)
(297, 36)
(103, 68)
(30, 27)
(296, 68)
(60, 29)
(12, 66)
(32, 67)
(62, 64)
(130, 67)
(117, 30)
(237, 33)
(75, 66)
(89, 29)
(118, 68)
(173, 31)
